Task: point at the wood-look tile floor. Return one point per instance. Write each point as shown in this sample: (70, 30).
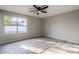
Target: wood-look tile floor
(40, 45)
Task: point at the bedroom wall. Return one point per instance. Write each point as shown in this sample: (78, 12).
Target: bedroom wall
(63, 26)
(34, 28)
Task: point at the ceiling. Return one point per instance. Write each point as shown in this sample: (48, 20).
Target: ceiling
(52, 10)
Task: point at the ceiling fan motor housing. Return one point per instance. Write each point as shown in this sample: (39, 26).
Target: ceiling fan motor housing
(40, 9)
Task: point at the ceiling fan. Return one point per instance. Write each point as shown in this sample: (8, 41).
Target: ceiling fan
(39, 8)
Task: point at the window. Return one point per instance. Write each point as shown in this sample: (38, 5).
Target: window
(14, 25)
(22, 25)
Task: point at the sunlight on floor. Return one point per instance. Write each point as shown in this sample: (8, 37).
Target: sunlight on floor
(70, 48)
(30, 48)
(40, 46)
(55, 48)
(62, 48)
(50, 42)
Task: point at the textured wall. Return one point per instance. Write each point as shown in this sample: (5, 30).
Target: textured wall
(34, 28)
(64, 26)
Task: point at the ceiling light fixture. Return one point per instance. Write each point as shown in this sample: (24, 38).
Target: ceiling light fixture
(39, 9)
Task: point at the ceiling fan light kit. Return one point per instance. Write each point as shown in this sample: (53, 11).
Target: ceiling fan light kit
(39, 9)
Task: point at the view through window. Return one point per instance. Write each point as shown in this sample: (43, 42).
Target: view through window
(15, 25)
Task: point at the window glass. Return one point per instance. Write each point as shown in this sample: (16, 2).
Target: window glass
(10, 29)
(15, 25)
(7, 20)
(22, 25)
(22, 29)
(22, 21)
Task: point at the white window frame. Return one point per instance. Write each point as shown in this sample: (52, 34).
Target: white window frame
(17, 26)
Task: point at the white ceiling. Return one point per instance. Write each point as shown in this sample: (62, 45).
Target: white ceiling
(52, 10)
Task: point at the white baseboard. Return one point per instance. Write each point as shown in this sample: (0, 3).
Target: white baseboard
(15, 40)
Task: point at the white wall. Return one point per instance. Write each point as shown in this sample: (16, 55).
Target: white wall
(34, 28)
(64, 26)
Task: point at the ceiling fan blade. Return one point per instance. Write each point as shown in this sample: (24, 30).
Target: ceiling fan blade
(35, 7)
(44, 11)
(33, 11)
(44, 8)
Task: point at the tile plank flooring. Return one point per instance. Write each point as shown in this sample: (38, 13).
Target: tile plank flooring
(40, 45)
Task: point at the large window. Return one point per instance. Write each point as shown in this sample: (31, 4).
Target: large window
(15, 25)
